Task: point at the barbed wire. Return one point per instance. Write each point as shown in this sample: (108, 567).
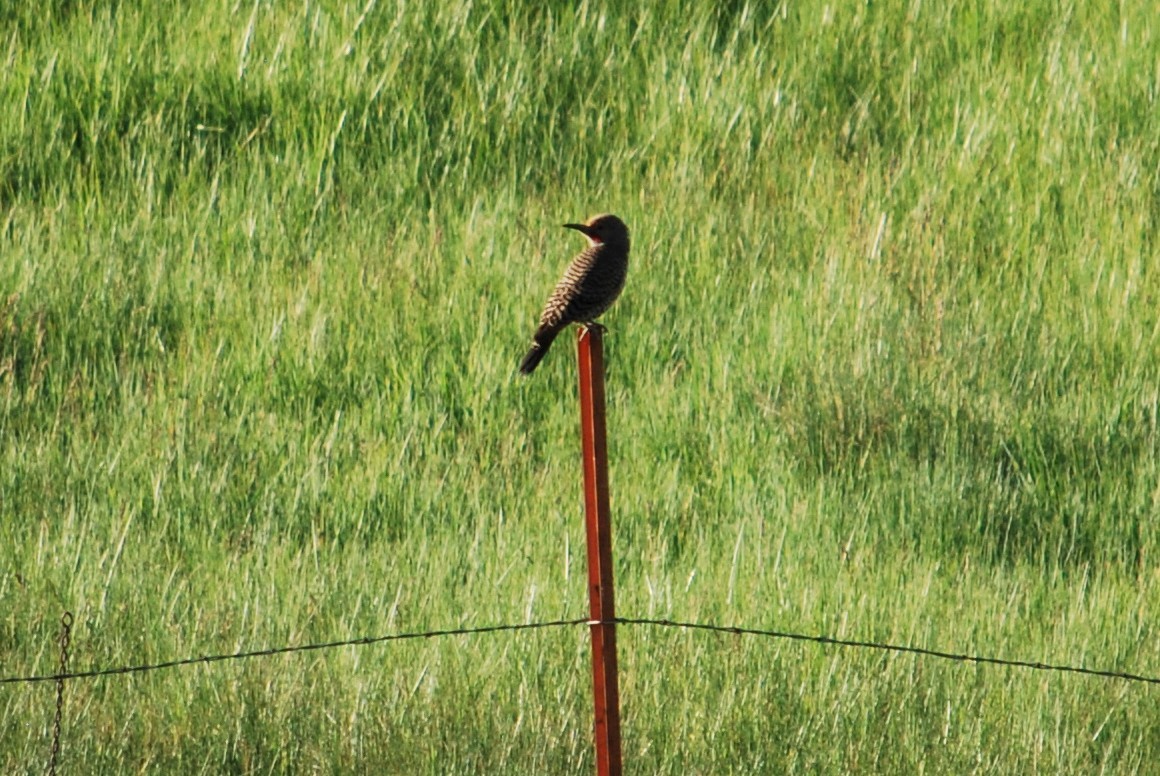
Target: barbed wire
(881, 646)
(631, 621)
(136, 669)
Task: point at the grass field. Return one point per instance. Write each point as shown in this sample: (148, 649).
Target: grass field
(887, 367)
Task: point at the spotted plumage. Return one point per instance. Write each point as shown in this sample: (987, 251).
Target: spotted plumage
(590, 285)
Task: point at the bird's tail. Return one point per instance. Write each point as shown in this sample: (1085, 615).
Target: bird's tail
(540, 344)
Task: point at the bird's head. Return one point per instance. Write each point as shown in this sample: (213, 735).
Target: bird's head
(603, 229)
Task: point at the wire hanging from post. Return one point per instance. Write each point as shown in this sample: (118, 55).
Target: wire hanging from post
(63, 641)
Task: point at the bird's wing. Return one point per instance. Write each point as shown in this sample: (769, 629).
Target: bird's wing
(571, 292)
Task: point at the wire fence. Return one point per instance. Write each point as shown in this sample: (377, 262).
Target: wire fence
(65, 675)
(283, 650)
(959, 657)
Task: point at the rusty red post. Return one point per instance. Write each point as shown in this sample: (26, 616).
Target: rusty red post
(605, 684)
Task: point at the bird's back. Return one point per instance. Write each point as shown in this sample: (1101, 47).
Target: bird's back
(589, 287)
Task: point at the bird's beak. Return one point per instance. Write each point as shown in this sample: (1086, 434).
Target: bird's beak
(582, 228)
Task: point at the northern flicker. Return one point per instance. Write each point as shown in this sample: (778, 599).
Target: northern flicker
(589, 287)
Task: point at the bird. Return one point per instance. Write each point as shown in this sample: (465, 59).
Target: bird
(590, 285)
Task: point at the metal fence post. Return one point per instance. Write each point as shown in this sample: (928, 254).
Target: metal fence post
(605, 684)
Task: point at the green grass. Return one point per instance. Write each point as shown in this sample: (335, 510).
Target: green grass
(887, 367)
